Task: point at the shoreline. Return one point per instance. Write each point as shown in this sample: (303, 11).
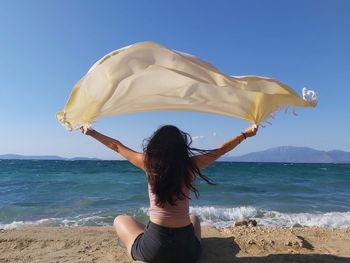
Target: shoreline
(229, 244)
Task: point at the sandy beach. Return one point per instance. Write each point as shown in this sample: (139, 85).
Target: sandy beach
(234, 244)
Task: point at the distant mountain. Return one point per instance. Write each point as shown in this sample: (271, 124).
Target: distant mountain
(291, 154)
(83, 159)
(283, 154)
(42, 157)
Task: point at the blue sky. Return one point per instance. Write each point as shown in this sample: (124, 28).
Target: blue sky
(46, 46)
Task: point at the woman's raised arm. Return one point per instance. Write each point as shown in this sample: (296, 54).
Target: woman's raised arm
(206, 159)
(132, 156)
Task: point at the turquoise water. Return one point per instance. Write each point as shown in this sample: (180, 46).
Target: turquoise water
(72, 193)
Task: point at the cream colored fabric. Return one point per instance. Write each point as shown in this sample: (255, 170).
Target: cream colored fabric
(150, 77)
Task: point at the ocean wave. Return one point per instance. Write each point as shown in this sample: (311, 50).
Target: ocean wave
(222, 217)
(331, 219)
(218, 216)
(80, 220)
(209, 215)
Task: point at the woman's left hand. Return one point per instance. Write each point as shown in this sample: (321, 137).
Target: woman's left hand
(86, 131)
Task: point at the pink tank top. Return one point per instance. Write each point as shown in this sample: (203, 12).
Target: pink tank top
(180, 210)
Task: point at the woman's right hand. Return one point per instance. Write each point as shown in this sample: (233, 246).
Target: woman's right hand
(251, 131)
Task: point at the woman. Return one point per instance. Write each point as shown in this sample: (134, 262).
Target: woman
(172, 234)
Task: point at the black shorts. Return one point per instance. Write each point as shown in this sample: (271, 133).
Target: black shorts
(165, 244)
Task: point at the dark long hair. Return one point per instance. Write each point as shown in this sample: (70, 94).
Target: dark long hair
(170, 166)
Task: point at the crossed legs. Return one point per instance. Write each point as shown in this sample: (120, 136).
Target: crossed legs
(128, 229)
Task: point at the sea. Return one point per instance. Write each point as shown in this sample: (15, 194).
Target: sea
(92, 193)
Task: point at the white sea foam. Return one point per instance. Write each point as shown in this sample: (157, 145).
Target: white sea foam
(209, 215)
(228, 216)
(331, 219)
(223, 216)
(21, 224)
(59, 222)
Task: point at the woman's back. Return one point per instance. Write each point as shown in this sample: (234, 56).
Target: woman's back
(168, 215)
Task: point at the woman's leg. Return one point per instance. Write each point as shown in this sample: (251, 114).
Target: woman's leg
(197, 225)
(127, 229)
